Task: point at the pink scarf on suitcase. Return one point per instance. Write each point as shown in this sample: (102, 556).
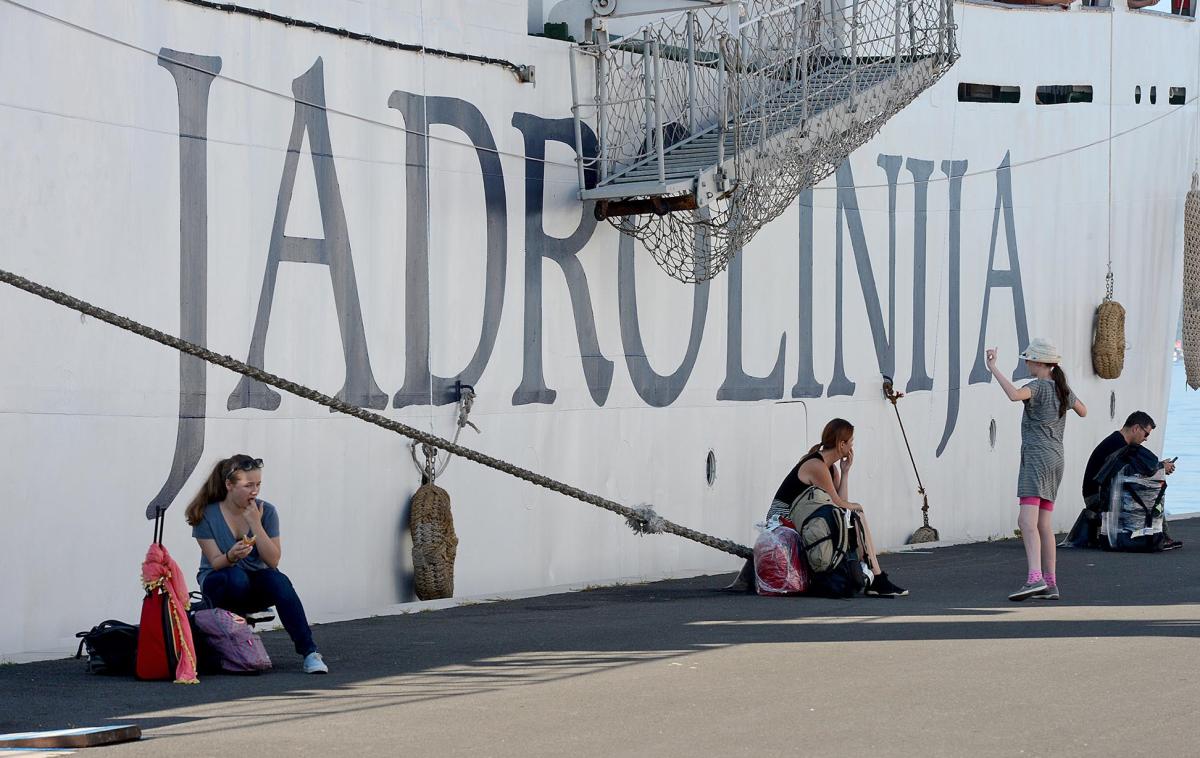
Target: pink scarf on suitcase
(160, 570)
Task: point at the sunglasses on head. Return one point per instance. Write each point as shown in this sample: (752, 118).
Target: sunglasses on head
(247, 464)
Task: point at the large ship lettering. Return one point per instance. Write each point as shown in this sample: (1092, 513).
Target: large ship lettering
(194, 75)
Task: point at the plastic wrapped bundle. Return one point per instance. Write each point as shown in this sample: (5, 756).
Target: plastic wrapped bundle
(777, 566)
(1134, 520)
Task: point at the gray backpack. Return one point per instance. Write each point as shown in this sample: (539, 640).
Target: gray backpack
(825, 538)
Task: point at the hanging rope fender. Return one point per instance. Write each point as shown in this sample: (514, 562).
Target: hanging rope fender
(924, 533)
(1191, 284)
(1108, 343)
(431, 518)
(435, 543)
(644, 516)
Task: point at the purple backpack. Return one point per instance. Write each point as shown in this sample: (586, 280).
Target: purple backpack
(231, 640)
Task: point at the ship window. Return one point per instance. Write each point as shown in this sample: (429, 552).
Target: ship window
(1153, 95)
(988, 93)
(1057, 94)
(1177, 96)
(1137, 94)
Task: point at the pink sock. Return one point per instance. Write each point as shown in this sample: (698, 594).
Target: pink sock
(1034, 577)
(1050, 581)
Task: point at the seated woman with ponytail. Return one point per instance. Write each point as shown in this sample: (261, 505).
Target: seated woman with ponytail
(240, 552)
(817, 469)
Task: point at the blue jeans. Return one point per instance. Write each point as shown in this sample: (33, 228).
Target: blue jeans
(240, 591)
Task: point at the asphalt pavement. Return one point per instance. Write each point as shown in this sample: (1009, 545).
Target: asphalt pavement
(681, 668)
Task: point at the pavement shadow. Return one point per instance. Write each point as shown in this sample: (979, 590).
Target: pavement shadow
(958, 593)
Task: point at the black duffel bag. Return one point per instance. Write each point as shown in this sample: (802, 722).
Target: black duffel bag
(111, 648)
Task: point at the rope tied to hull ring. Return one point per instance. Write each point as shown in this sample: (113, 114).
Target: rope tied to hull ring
(349, 409)
(925, 532)
(429, 470)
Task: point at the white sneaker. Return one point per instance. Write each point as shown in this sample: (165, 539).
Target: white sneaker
(315, 664)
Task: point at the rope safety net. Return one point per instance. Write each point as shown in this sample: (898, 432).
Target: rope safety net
(641, 519)
(775, 99)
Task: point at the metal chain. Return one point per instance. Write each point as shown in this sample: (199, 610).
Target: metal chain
(643, 516)
(1108, 284)
(466, 402)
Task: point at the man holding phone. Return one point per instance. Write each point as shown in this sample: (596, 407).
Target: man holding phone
(1136, 431)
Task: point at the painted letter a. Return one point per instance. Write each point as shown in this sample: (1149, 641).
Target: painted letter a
(332, 251)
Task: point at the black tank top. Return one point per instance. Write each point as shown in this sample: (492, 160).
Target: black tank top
(792, 486)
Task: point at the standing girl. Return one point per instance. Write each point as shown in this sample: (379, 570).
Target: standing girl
(1047, 399)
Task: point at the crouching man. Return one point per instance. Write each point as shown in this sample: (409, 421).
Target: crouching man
(1135, 432)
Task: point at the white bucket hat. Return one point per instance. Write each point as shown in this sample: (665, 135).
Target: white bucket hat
(1042, 351)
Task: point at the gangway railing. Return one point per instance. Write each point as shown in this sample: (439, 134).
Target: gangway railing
(709, 121)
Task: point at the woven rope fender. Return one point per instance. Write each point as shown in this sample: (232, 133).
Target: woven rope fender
(1191, 286)
(1108, 344)
(434, 543)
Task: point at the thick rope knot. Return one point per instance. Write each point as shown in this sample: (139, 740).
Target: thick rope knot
(464, 410)
(645, 520)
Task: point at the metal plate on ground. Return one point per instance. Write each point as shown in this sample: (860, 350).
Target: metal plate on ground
(88, 736)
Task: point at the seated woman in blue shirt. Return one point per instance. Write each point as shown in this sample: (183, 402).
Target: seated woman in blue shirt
(240, 551)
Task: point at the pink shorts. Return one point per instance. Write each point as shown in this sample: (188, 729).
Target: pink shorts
(1041, 503)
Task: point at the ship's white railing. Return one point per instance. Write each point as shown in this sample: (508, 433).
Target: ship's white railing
(711, 120)
(724, 66)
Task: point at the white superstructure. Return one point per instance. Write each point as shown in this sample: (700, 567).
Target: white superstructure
(473, 259)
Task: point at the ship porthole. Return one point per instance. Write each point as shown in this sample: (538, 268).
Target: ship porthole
(710, 468)
(992, 434)
(1112, 405)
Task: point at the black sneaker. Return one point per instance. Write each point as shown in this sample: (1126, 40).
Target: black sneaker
(1170, 544)
(881, 586)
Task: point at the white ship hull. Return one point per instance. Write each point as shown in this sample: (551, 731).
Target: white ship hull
(574, 380)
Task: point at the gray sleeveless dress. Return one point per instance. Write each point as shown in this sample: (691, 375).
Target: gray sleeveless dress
(1042, 442)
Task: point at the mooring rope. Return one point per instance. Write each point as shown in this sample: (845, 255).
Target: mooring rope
(642, 519)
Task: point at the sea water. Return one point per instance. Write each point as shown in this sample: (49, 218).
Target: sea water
(1182, 439)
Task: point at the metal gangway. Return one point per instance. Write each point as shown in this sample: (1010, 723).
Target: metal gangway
(704, 124)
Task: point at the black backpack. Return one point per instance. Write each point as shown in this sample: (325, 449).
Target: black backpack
(829, 542)
(847, 580)
(111, 648)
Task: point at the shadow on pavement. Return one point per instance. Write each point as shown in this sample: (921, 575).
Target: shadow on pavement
(958, 593)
